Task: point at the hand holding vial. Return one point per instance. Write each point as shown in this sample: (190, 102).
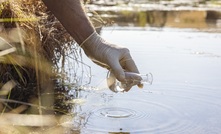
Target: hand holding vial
(131, 80)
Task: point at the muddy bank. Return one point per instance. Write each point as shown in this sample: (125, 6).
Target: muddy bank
(158, 15)
(168, 3)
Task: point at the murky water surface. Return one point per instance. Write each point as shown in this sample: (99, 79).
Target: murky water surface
(184, 96)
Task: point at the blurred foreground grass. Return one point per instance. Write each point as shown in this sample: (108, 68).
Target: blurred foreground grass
(35, 54)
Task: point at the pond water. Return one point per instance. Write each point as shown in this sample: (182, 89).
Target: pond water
(184, 96)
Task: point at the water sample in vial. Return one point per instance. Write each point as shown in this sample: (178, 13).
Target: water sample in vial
(131, 79)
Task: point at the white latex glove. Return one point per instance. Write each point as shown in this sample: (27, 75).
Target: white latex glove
(115, 58)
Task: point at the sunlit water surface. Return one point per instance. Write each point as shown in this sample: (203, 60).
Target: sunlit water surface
(184, 96)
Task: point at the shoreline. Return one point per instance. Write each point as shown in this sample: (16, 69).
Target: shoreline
(154, 15)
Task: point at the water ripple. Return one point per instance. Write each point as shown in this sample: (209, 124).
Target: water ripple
(167, 109)
(132, 116)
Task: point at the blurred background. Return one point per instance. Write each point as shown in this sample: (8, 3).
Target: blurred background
(200, 14)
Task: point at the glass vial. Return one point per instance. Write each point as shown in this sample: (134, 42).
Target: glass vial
(131, 80)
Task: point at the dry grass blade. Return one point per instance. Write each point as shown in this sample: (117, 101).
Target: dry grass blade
(28, 120)
(19, 109)
(7, 87)
(4, 44)
(18, 19)
(7, 51)
(5, 47)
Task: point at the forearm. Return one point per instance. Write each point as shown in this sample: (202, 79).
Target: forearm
(72, 16)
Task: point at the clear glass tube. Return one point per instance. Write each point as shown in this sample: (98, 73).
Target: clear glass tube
(131, 80)
(146, 78)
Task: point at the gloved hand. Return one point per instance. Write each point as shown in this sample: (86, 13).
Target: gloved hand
(115, 58)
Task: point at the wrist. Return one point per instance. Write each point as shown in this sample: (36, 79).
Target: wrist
(83, 44)
(95, 47)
